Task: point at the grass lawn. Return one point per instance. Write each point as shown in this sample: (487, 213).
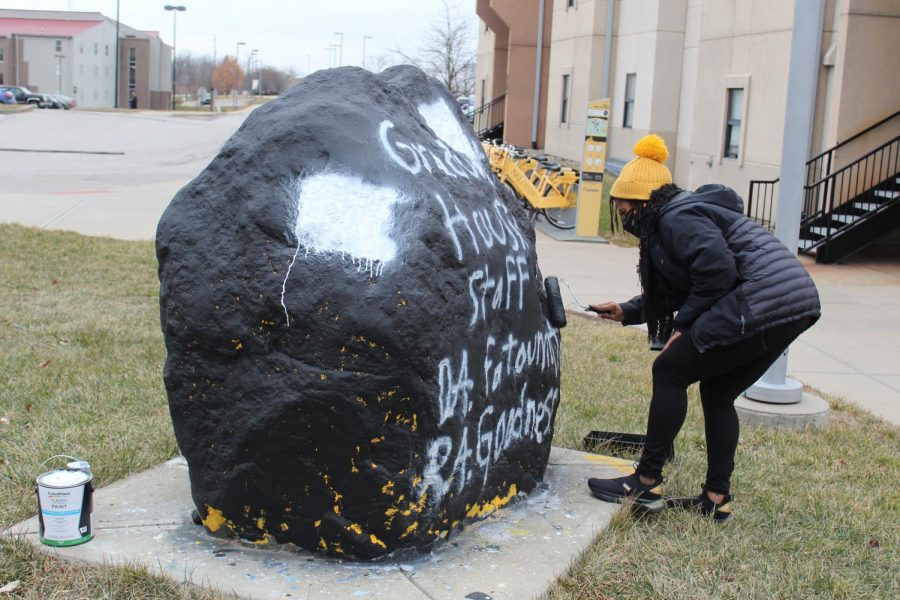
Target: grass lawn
(816, 513)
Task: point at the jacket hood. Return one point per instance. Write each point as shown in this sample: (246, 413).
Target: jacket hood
(712, 193)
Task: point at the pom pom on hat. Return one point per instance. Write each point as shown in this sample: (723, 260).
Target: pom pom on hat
(645, 173)
(652, 146)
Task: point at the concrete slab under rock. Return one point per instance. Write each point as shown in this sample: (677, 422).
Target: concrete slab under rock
(515, 553)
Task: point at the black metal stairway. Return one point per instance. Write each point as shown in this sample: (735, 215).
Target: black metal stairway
(846, 206)
(487, 120)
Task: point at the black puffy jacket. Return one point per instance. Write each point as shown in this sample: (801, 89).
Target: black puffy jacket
(731, 278)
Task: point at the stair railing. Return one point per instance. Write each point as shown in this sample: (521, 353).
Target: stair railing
(761, 202)
(761, 196)
(880, 168)
(490, 115)
(819, 166)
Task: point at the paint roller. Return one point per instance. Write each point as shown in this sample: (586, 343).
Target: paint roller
(554, 302)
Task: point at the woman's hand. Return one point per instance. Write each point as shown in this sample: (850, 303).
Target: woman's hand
(675, 335)
(608, 310)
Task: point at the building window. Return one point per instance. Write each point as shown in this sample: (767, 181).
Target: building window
(1, 54)
(564, 113)
(733, 122)
(570, 3)
(132, 69)
(106, 50)
(1, 77)
(96, 49)
(628, 114)
(81, 48)
(58, 45)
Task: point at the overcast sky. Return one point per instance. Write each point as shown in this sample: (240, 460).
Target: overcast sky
(287, 33)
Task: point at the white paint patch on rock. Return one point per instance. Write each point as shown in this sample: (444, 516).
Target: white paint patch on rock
(443, 122)
(342, 214)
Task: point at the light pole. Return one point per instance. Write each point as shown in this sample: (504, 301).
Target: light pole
(59, 58)
(341, 47)
(116, 91)
(250, 59)
(365, 37)
(331, 52)
(237, 59)
(175, 10)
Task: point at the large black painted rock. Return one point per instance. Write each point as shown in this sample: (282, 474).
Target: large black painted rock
(359, 354)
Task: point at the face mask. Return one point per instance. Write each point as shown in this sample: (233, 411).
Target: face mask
(630, 223)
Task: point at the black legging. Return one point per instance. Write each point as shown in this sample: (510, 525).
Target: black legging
(724, 372)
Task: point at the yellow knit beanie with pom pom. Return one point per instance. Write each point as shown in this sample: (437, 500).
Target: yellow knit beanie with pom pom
(646, 172)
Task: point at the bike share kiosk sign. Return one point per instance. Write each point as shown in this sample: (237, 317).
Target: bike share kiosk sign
(593, 163)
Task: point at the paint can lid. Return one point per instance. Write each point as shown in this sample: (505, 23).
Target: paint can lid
(79, 465)
(63, 479)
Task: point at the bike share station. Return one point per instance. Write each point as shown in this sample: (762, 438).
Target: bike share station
(561, 201)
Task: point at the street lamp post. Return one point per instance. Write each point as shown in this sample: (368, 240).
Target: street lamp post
(365, 37)
(116, 91)
(237, 59)
(175, 10)
(251, 60)
(341, 48)
(59, 58)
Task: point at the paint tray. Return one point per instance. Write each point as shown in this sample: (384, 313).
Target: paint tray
(617, 443)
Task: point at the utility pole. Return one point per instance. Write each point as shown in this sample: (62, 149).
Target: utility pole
(212, 87)
(341, 48)
(365, 37)
(237, 59)
(116, 91)
(774, 386)
(59, 58)
(175, 10)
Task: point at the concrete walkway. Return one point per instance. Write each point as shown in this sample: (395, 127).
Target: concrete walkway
(853, 352)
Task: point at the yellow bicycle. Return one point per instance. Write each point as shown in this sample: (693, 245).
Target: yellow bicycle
(545, 188)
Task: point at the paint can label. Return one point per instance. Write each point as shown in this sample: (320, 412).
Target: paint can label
(64, 507)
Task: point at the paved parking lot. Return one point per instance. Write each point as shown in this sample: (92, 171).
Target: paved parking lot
(854, 351)
(108, 173)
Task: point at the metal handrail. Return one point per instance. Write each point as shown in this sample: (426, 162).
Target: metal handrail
(858, 160)
(814, 169)
(851, 182)
(855, 136)
(491, 110)
(816, 175)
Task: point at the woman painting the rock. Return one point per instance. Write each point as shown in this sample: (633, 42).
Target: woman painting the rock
(722, 296)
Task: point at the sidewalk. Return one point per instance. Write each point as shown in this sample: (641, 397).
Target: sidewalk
(852, 352)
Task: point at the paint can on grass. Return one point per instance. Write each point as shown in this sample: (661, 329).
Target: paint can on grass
(65, 504)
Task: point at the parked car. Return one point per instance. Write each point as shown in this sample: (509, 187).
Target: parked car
(466, 106)
(25, 96)
(60, 101)
(6, 97)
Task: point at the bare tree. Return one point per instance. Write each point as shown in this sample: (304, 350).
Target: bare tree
(447, 52)
(228, 76)
(193, 72)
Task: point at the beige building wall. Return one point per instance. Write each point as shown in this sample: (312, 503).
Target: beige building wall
(39, 53)
(484, 66)
(93, 62)
(687, 55)
(649, 44)
(578, 45)
(863, 86)
(515, 23)
(743, 44)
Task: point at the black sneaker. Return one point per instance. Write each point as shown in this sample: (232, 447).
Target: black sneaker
(620, 489)
(702, 504)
